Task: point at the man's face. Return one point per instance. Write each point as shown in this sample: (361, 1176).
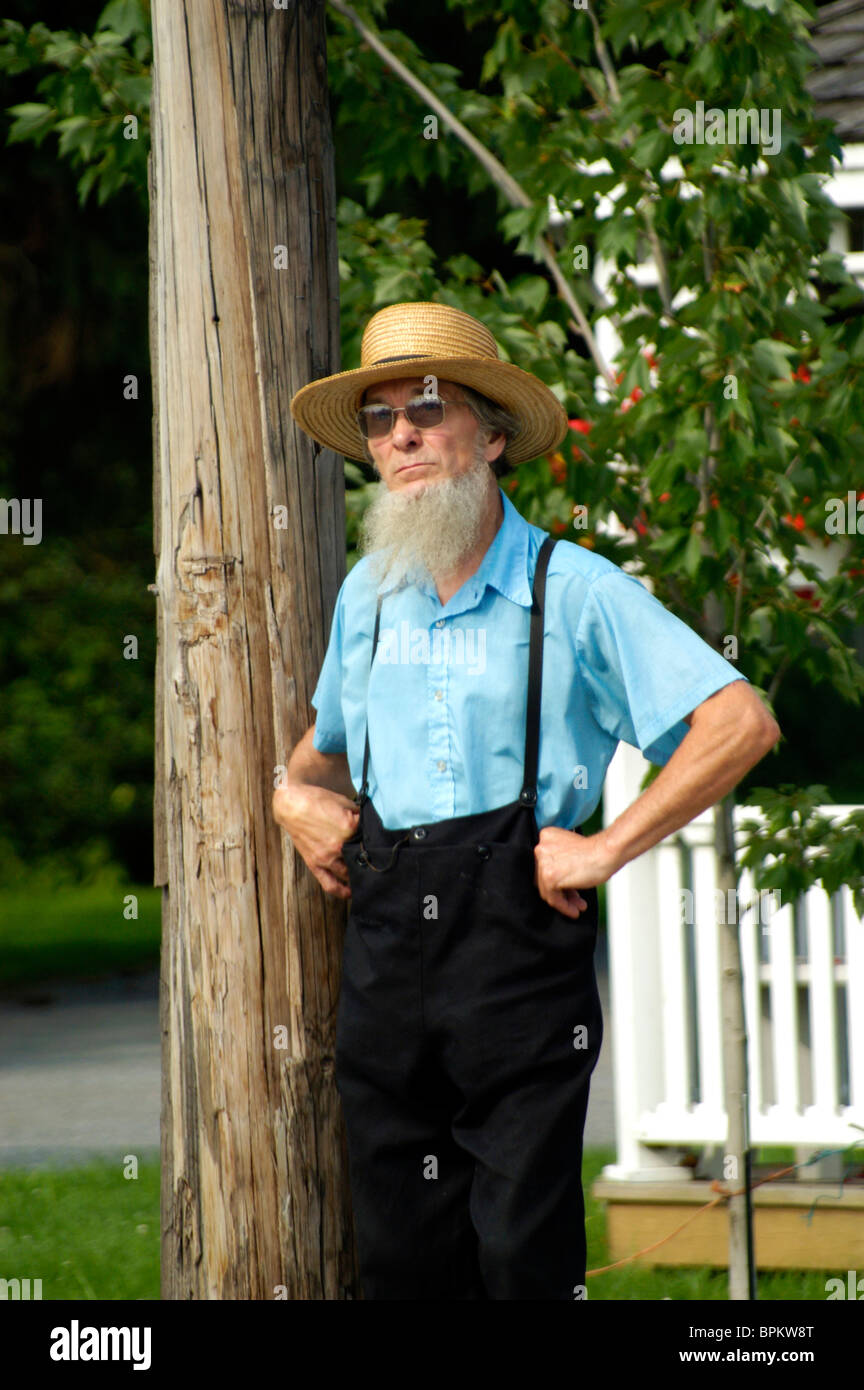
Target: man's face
(409, 458)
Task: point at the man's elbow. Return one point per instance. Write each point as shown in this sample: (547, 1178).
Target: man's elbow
(760, 731)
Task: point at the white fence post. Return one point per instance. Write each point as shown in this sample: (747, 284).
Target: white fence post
(804, 1004)
(635, 989)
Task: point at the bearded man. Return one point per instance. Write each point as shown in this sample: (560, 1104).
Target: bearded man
(469, 1020)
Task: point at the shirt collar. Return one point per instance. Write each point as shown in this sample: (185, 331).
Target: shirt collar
(505, 564)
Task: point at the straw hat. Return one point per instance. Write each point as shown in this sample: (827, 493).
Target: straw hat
(418, 340)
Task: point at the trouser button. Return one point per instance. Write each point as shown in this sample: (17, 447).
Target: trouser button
(483, 851)
(420, 832)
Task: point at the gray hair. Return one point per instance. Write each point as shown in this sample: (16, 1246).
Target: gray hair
(492, 417)
(495, 419)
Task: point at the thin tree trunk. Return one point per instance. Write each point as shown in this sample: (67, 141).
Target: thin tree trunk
(735, 1087)
(250, 537)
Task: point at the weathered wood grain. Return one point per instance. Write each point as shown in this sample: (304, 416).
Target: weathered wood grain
(255, 1191)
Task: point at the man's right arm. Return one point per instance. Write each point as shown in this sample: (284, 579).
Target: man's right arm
(316, 808)
(329, 770)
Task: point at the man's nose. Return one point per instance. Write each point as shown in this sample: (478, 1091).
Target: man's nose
(403, 431)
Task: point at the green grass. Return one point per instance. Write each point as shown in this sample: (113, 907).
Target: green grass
(76, 932)
(86, 1232)
(638, 1281)
(90, 1233)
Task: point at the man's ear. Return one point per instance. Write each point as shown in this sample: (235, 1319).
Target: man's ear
(492, 440)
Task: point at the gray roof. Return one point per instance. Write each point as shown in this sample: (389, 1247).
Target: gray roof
(836, 82)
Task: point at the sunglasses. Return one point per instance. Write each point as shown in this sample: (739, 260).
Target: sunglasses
(376, 421)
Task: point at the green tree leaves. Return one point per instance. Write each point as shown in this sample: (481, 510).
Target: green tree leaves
(715, 463)
(93, 87)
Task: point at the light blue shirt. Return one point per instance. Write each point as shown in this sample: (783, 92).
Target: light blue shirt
(448, 690)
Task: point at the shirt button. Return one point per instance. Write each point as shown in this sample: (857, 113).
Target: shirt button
(440, 622)
(439, 694)
(442, 766)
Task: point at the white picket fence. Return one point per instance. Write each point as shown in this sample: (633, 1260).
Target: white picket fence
(803, 968)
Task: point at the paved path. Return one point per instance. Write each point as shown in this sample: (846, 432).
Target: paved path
(80, 1064)
(79, 1072)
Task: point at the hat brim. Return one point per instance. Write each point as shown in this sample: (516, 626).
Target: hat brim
(327, 409)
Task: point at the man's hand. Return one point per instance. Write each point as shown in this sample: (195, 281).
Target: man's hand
(729, 732)
(566, 862)
(318, 821)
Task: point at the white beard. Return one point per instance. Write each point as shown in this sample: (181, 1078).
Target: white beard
(426, 535)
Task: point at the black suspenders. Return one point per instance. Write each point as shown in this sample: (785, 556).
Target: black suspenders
(364, 787)
(528, 794)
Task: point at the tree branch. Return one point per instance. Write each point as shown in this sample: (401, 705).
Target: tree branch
(778, 676)
(647, 210)
(513, 192)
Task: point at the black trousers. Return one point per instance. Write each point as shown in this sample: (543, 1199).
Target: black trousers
(468, 1027)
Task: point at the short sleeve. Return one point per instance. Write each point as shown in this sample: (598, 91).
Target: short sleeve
(644, 668)
(326, 700)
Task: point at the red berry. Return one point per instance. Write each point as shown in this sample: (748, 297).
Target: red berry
(557, 467)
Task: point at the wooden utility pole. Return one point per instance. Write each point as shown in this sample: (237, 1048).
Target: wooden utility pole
(250, 540)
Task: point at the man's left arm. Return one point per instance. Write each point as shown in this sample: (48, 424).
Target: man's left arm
(729, 733)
